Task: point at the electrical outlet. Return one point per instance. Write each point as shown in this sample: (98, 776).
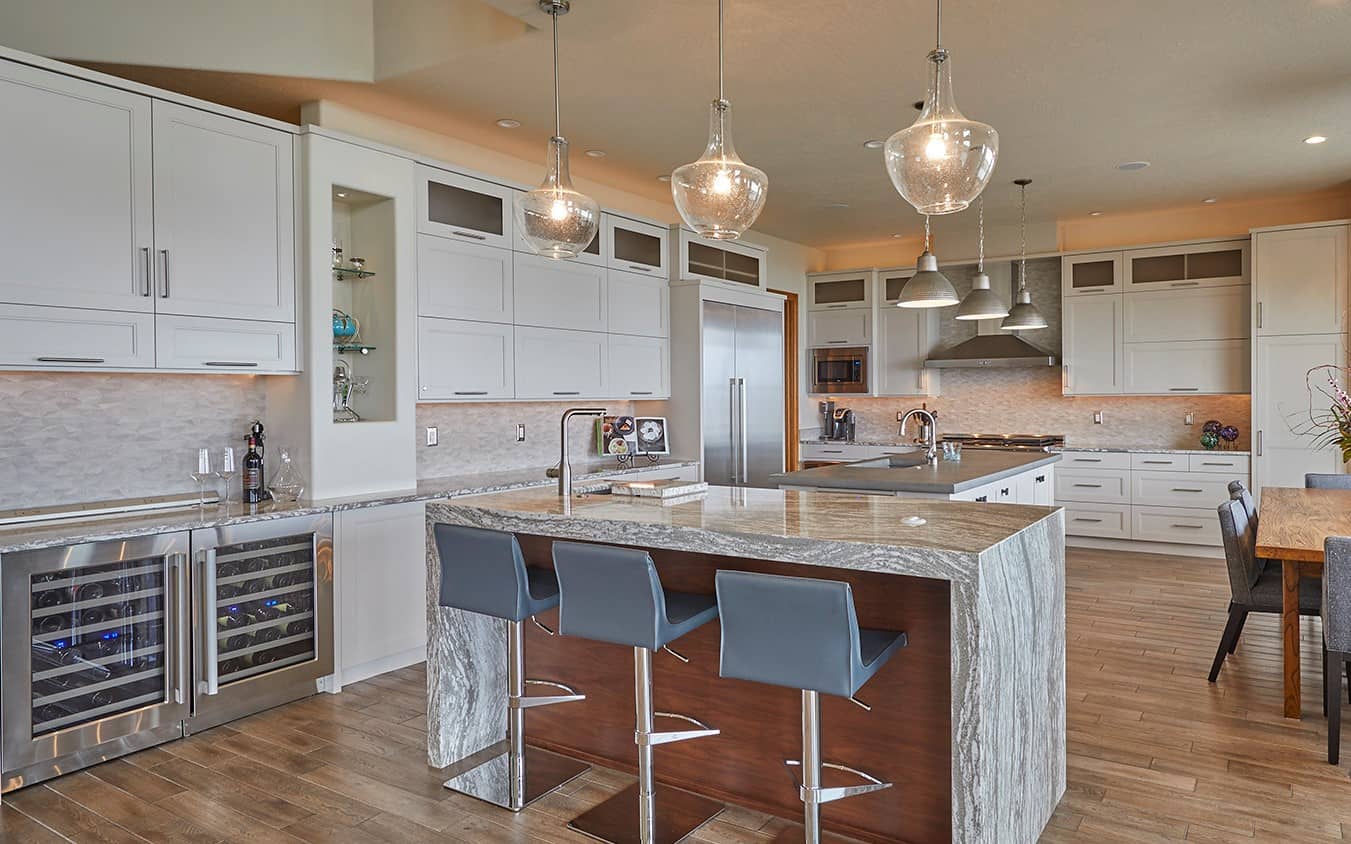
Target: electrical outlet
(1097, 417)
(433, 436)
(520, 432)
(1189, 419)
(900, 414)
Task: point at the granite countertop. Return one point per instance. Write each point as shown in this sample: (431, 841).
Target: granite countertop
(47, 534)
(976, 468)
(1125, 449)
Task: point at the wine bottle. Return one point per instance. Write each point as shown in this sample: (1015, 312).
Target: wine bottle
(256, 431)
(131, 583)
(99, 648)
(226, 591)
(237, 641)
(232, 621)
(94, 591)
(97, 615)
(253, 474)
(253, 587)
(52, 711)
(227, 569)
(297, 628)
(264, 657)
(52, 598)
(51, 623)
(265, 635)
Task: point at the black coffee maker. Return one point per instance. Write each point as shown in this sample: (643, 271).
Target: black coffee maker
(837, 423)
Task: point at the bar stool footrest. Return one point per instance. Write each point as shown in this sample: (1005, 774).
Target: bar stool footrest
(545, 700)
(644, 739)
(819, 796)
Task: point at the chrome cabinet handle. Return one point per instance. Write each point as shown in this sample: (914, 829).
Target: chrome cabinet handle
(1082, 519)
(1188, 527)
(1184, 489)
(1259, 443)
(469, 234)
(164, 278)
(1216, 463)
(469, 392)
(745, 435)
(1158, 462)
(832, 451)
(1185, 284)
(229, 363)
(845, 305)
(210, 682)
(640, 268)
(1184, 389)
(1087, 459)
(567, 392)
(837, 342)
(1259, 314)
(1090, 486)
(640, 392)
(149, 271)
(49, 359)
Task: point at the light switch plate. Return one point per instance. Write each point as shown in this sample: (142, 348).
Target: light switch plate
(1097, 417)
(433, 436)
(520, 432)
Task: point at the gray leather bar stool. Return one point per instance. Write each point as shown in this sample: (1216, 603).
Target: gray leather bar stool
(482, 571)
(802, 633)
(614, 595)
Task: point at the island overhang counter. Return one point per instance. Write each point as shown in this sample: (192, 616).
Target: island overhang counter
(968, 721)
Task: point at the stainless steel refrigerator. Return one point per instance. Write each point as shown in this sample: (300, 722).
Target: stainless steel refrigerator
(742, 394)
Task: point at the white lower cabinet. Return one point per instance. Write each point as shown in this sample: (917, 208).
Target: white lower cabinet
(639, 367)
(1105, 521)
(555, 364)
(1104, 486)
(1043, 487)
(33, 337)
(224, 345)
(1197, 526)
(1189, 366)
(1179, 489)
(465, 360)
(381, 561)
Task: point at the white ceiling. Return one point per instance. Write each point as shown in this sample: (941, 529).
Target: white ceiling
(1217, 94)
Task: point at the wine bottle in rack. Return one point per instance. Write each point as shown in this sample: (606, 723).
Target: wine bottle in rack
(265, 635)
(95, 591)
(52, 598)
(237, 641)
(253, 587)
(51, 624)
(302, 626)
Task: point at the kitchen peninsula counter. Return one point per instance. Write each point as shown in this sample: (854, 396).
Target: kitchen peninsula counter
(968, 721)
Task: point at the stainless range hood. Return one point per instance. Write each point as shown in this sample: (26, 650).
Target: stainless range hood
(989, 351)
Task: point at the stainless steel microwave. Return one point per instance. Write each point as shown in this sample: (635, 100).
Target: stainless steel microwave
(840, 370)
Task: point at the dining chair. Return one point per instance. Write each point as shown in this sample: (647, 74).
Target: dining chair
(1238, 492)
(1254, 586)
(1336, 611)
(1317, 480)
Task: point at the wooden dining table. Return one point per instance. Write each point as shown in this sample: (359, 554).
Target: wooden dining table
(1291, 527)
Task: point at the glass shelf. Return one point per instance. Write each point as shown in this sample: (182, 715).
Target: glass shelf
(353, 347)
(343, 273)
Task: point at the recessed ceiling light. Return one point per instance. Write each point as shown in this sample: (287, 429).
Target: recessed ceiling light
(837, 205)
(1315, 139)
(1132, 165)
(664, 177)
(595, 153)
(1095, 213)
(874, 144)
(898, 235)
(342, 193)
(1210, 200)
(508, 123)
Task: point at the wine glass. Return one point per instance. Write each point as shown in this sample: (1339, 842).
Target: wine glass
(203, 472)
(227, 471)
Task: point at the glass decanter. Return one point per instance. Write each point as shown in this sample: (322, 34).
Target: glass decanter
(288, 483)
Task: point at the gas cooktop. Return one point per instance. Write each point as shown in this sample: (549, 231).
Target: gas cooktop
(1008, 442)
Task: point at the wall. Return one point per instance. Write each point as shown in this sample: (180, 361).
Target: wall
(74, 437)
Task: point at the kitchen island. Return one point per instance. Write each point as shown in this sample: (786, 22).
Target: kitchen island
(968, 721)
(1009, 477)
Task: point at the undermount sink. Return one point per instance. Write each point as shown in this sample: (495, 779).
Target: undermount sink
(912, 458)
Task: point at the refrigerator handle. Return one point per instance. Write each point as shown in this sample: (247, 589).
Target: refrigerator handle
(210, 682)
(174, 640)
(734, 429)
(745, 438)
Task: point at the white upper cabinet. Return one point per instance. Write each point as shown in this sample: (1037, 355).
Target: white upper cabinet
(224, 345)
(465, 360)
(1096, 273)
(1219, 313)
(224, 217)
(905, 337)
(1189, 265)
(75, 208)
(33, 336)
(639, 367)
(560, 294)
(553, 363)
(639, 305)
(851, 327)
(634, 246)
(1191, 366)
(459, 280)
(890, 284)
(464, 208)
(1299, 280)
(837, 291)
(1093, 345)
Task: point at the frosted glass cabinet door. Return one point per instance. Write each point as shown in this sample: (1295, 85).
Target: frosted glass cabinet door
(224, 217)
(75, 208)
(1093, 350)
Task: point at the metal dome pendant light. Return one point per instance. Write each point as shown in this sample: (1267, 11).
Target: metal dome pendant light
(942, 162)
(927, 288)
(719, 196)
(981, 302)
(1023, 316)
(555, 219)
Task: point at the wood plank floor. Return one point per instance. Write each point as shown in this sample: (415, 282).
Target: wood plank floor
(1155, 752)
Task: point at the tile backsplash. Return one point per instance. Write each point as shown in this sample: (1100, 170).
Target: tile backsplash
(72, 437)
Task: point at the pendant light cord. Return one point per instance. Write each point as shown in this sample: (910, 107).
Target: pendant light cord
(980, 234)
(558, 120)
(1022, 231)
(926, 232)
(938, 35)
(720, 51)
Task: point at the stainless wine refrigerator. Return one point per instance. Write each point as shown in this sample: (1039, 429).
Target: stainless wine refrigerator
(111, 647)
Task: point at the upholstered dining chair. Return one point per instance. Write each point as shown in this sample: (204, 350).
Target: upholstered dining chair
(1316, 480)
(1238, 492)
(1254, 586)
(1336, 610)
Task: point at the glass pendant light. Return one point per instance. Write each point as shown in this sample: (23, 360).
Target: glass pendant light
(981, 302)
(1023, 316)
(719, 196)
(927, 288)
(555, 219)
(942, 162)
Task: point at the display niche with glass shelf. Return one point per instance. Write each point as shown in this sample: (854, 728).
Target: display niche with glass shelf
(363, 318)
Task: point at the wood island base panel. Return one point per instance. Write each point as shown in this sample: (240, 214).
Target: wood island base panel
(979, 589)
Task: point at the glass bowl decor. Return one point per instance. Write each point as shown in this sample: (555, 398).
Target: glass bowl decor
(1212, 426)
(1210, 440)
(1228, 435)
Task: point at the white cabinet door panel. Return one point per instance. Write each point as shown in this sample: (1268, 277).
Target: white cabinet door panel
(1089, 274)
(458, 280)
(75, 209)
(1233, 465)
(1197, 526)
(1281, 456)
(224, 217)
(1105, 521)
(557, 364)
(634, 246)
(1043, 486)
(905, 336)
(224, 345)
(1209, 313)
(851, 327)
(1160, 462)
(1095, 460)
(382, 574)
(33, 337)
(560, 294)
(1178, 489)
(1095, 486)
(465, 360)
(1192, 366)
(1299, 280)
(1092, 344)
(639, 305)
(639, 367)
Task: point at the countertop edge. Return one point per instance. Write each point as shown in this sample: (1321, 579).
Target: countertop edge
(803, 479)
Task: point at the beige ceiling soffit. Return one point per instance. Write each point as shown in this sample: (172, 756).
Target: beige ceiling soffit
(413, 35)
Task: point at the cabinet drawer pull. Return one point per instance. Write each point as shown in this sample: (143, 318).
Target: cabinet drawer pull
(1184, 489)
(640, 392)
(229, 363)
(844, 305)
(68, 360)
(1090, 486)
(471, 235)
(1217, 463)
(471, 392)
(982, 498)
(149, 272)
(164, 279)
(1158, 462)
(1041, 479)
(640, 268)
(1184, 389)
(1087, 459)
(1188, 527)
(1004, 491)
(1185, 284)
(567, 392)
(1084, 519)
(832, 451)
